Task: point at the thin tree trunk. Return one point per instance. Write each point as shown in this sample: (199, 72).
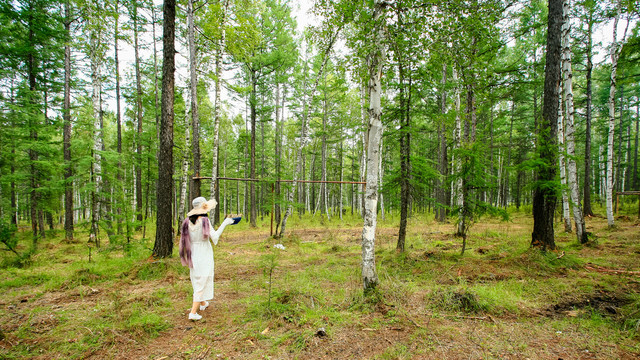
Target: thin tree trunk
(96, 81)
(544, 199)
(252, 103)
(635, 157)
(184, 179)
(587, 143)
(139, 209)
(615, 54)
(193, 87)
(441, 194)
(217, 110)
(163, 246)
(323, 186)
(457, 140)
(570, 129)
(566, 212)
(120, 184)
(68, 167)
(278, 155)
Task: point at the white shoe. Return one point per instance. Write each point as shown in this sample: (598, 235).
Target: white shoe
(206, 305)
(195, 316)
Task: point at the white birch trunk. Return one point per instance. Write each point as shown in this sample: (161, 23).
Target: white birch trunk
(185, 172)
(369, 277)
(572, 170)
(216, 108)
(456, 186)
(193, 75)
(363, 157)
(381, 175)
(96, 84)
(615, 54)
(566, 213)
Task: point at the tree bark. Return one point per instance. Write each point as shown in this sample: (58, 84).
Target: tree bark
(457, 163)
(96, 84)
(217, 110)
(566, 212)
(615, 54)
(253, 103)
(441, 194)
(376, 61)
(635, 157)
(570, 128)
(138, 162)
(163, 246)
(544, 198)
(193, 87)
(66, 142)
(587, 143)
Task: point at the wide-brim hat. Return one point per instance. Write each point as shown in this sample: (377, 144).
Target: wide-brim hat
(202, 206)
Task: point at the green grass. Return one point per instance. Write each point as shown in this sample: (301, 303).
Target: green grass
(494, 298)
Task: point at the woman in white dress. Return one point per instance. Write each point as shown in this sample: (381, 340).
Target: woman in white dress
(196, 252)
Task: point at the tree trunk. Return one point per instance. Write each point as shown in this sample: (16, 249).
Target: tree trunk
(544, 198)
(66, 142)
(570, 129)
(566, 212)
(635, 157)
(138, 163)
(278, 155)
(96, 84)
(217, 110)
(457, 163)
(587, 143)
(163, 246)
(615, 54)
(376, 61)
(323, 186)
(193, 87)
(184, 179)
(441, 194)
(120, 184)
(33, 135)
(253, 102)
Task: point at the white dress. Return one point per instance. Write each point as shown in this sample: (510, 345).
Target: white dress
(202, 258)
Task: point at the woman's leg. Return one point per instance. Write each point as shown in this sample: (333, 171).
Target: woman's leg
(196, 305)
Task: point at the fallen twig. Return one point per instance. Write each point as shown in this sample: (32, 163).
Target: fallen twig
(471, 317)
(601, 269)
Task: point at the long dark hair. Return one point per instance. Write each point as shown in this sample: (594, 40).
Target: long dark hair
(194, 218)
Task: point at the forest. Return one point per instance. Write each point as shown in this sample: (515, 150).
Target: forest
(431, 163)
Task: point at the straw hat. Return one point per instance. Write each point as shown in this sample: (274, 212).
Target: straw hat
(201, 206)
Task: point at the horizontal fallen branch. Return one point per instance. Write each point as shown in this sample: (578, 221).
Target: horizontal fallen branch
(601, 269)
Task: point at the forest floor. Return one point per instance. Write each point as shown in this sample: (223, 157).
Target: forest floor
(500, 300)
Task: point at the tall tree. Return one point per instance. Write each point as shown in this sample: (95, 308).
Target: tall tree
(116, 36)
(163, 246)
(572, 170)
(193, 87)
(96, 54)
(589, 7)
(614, 53)
(66, 142)
(545, 191)
(139, 115)
(376, 62)
(217, 110)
